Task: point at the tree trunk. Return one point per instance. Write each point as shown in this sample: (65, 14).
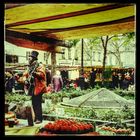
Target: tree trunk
(104, 43)
(104, 63)
(104, 58)
(119, 60)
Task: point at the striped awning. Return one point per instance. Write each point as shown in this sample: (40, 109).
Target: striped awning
(28, 23)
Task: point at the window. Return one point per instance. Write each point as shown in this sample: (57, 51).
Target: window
(27, 55)
(63, 55)
(69, 53)
(76, 55)
(11, 58)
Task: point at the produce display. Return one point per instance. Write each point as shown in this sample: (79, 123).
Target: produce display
(115, 131)
(69, 126)
(64, 126)
(10, 118)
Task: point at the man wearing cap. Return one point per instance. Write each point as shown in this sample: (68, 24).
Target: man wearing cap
(35, 83)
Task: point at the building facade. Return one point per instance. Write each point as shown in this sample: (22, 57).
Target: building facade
(71, 56)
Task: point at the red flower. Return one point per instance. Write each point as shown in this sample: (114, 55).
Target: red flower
(74, 128)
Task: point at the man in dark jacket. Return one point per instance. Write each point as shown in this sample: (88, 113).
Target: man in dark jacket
(92, 78)
(114, 80)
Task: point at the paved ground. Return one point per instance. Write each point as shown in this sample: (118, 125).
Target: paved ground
(22, 128)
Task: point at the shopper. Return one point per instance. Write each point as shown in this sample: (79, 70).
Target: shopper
(92, 78)
(57, 82)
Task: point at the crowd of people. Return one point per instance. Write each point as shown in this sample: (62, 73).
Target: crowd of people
(37, 79)
(122, 79)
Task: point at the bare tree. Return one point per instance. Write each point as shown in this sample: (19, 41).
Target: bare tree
(90, 45)
(120, 44)
(104, 40)
(73, 43)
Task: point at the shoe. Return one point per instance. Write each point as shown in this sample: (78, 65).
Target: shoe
(38, 121)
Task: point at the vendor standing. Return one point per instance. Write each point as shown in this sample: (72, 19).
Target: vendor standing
(35, 84)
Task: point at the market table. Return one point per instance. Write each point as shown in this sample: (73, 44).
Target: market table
(22, 129)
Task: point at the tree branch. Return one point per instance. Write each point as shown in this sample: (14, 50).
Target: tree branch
(106, 41)
(102, 42)
(111, 37)
(114, 53)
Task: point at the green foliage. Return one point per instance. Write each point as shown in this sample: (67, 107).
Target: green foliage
(107, 73)
(47, 96)
(129, 35)
(126, 94)
(127, 113)
(97, 86)
(81, 112)
(111, 115)
(116, 115)
(92, 43)
(70, 93)
(73, 42)
(90, 113)
(105, 115)
(104, 132)
(48, 108)
(16, 98)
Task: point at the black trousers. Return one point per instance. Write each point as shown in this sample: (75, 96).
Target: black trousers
(37, 106)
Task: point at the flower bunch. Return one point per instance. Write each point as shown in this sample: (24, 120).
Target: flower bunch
(64, 126)
(117, 131)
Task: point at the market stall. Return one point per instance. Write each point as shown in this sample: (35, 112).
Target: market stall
(45, 30)
(53, 124)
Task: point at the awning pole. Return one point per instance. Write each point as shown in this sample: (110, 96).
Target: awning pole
(82, 49)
